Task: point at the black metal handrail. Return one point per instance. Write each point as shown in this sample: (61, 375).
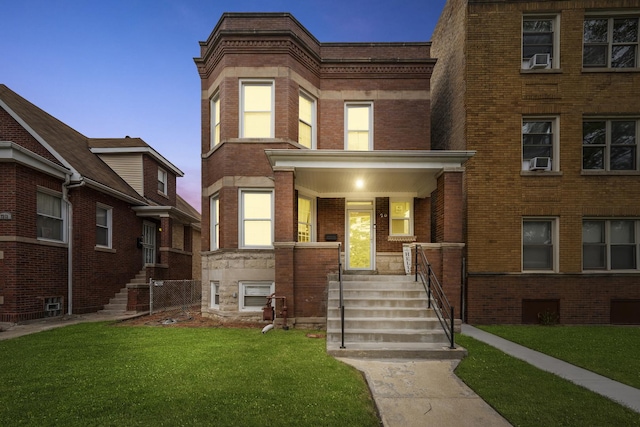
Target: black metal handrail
(443, 309)
(341, 298)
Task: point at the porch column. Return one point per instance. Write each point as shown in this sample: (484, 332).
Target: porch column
(284, 239)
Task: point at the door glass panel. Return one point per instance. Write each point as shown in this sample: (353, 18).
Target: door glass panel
(359, 240)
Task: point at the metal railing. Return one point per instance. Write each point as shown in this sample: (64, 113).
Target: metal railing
(443, 309)
(341, 297)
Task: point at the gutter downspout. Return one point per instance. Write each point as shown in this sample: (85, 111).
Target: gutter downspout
(65, 196)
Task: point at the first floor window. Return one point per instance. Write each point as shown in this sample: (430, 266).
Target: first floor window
(401, 214)
(609, 145)
(50, 220)
(254, 295)
(305, 212)
(103, 226)
(610, 244)
(215, 294)
(256, 218)
(214, 238)
(538, 244)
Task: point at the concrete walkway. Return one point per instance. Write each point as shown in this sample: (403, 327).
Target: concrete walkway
(621, 393)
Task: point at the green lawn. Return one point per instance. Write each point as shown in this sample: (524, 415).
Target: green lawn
(611, 351)
(527, 396)
(98, 374)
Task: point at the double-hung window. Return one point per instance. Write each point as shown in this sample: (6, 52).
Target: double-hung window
(214, 105)
(610, 42)
(306, 120)
(254, 295)
(50, 217)
(359, 126)
(539, 143)
(610, 244)
(401, 217)
(610, 145)
(162, 181)
(256, 218)
(214, 237)
(305, 219)
(215, 294)
(103, 226)
(538, 244)
(256, 109)
(540, 42)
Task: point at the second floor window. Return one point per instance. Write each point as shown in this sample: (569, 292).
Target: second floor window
(162, 182)
(610, 42)
(306, 120)
(538, 141)
(609, 145)
(215, 120)
(538, 42)
(359, 126)
(257, 104)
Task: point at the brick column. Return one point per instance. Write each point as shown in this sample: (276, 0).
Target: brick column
(166, 239)
(450, 206)
(285, 237)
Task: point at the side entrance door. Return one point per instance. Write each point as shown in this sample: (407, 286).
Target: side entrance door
(360, 242)
(148, 242)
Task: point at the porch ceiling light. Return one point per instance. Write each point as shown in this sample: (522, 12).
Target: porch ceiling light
(359, 183)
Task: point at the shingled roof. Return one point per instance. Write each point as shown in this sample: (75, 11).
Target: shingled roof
(68, 143)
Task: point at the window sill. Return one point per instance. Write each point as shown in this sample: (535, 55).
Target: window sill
(610, 70)
(104, 249)
(160, 193)
(541, 71)
(540, 173)
(604, 272)
(539, 272)
(610, 173)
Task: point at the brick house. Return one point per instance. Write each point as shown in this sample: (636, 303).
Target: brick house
(314, 154)
(81, 217)
(546, 93)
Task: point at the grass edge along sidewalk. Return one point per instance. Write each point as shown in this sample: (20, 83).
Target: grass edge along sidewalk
(100, 374)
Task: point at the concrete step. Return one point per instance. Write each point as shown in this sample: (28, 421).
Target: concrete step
(417, 324)
(428, 351)
(377, 293)
(379, 312)
(367, 335)
(379, 303)
(371, 278)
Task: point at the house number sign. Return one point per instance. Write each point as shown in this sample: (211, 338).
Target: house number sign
(5, 215)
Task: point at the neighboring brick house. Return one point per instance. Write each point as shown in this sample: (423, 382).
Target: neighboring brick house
(548, 95)
(308, 147)
(80, 217)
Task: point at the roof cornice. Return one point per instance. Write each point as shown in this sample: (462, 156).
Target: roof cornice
(12, 152)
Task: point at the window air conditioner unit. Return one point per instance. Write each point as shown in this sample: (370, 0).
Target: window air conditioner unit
(540, 60)
(540, 164)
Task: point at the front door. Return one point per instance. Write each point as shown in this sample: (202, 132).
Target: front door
(148, 242)
(359, 250)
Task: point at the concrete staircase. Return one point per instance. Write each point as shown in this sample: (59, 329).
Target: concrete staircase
(385, 317)
(118, 304)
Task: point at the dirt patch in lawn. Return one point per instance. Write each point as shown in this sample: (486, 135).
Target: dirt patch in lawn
(188, 320)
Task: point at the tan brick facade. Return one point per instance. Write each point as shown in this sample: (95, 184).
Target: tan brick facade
(481, 95)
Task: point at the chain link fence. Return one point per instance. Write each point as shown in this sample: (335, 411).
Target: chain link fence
(175, 296)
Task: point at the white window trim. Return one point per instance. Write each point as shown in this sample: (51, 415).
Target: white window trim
(215, 99)
(265, 82)
(607, 243)
(555, 148)
(63, 214)
(245, 283)
(346, 122)
(241, 193)
(164, 180)
(214, 213)
(555, 56)
(555, 242)
(213, 285)
(411, 216)
(109, 226)
(314, 110)
(312, 219)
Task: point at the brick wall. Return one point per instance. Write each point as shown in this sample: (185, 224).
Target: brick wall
(331, 218)
(311, 267)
